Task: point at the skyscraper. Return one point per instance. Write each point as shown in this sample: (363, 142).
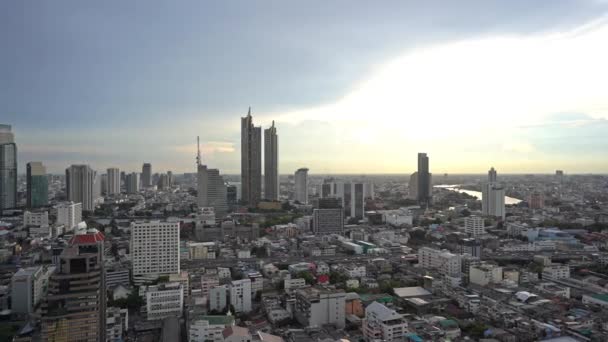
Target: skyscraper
(113, 181)
(271, 164)
(75, 307)
(8, 168)
(493, 197)
(251, 161)
(301, 185)
(132, 183)
(154, 249)
(37, 185)
(146, 175)
(424, 179)
(81, 186)
(211, 187)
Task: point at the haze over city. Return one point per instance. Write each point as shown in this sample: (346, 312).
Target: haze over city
(352, 89)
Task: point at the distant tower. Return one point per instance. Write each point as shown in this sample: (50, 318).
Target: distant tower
(493, 197)
(271, 164)
(211, 186)
(81, 186)
(8, 168)
(132, 183)
(37, 185)
(492, 175)
(301, 184)
(251, 161)
(146, 175)
(113, 181)
(424, 179)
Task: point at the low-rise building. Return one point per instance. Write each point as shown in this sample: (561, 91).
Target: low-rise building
(316, 307)
(164, 300)
(208, 328)
(382, 323)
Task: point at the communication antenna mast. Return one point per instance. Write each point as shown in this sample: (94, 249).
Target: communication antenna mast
(198, 152)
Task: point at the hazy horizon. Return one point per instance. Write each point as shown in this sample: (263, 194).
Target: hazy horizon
(517, 85)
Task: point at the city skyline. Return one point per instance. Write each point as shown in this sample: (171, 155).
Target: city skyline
(510, 91)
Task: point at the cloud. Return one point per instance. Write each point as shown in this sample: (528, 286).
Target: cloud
(207, 148)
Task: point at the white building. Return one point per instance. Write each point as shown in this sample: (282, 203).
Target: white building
(301, 185)
(164, 300)
(36, 218)
(290, 285)
(442, 260)
(206, 216)
(257, 282)
(117, 323)
(556, 271)
(154, 249)
(28, 286)
(69, 214)
(382, 323)
(474, 226)
(218, 298)
(315, 307)
(113, 181)
(485, 274)
(493, 200)
(208, 282)
(240, 295)
(355, 271)
(209, 328)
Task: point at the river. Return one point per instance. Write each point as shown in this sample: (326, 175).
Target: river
(477, 194)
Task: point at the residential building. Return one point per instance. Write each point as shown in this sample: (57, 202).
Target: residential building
(218, 298)
(28, 288)
(424, 179)
(117, 274)
(251, 161)
(8, 168)
(291, 285)
(146, 175)
(75, 306)
(36, 218)
(69, 214)
(164, 300)
(132, 183)
(536, 200)
(271, 163)
(113, 181)
(317, 307)
(236, 334)
(208, 328)
(471, 247)
(37, 185)
(493, 197)
(117, 323)
(240, 295)
(442, 260)
(382, 323)
(301, 185)
(81, 186)
(154, 249)
(555, 272)
(474, 225)
(328, 218)
(208, 281)
(484, 274)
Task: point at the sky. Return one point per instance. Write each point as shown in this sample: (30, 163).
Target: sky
(353, 86)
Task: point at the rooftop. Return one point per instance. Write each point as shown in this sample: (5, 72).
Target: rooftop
(415, 291)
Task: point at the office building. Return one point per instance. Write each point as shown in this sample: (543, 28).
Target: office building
(69, 214)
(317, 307)
(81, 186)
(163, 182)
(211, 187)
(113, 181)
(37, 185)
(75, 306)
(301, 185)
(28, 288)
(251, 161)
(240, 295)
(271, 164)
(423, 179)
(8, 168)
(154, 249)
(328, 217)
(474, 225)
(146, 175)
(493, 197)
(413, 185)
(357, 207)
(132, 183)
(441, 260)
(383, 324)
(164, 300)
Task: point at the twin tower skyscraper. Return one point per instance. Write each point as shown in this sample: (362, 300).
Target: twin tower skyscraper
(251, 162)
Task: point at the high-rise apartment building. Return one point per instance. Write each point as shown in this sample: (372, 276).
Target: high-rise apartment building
(328, 218)
(8, 168)
(251, 161)
(28, 288)
(211, 188)
(113, 181)
(81, 186)
(132, 183)
(317, 307)
(69, 214)
(75, 306)
(493, 197)
(442, 260)
(154, 249)
(423, 179)
(240, 295)
(37, 185)
(146, 175)
(301, 185)
(271, 164)
(474, 226)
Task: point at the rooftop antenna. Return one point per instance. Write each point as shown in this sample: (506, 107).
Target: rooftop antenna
(198, 152)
